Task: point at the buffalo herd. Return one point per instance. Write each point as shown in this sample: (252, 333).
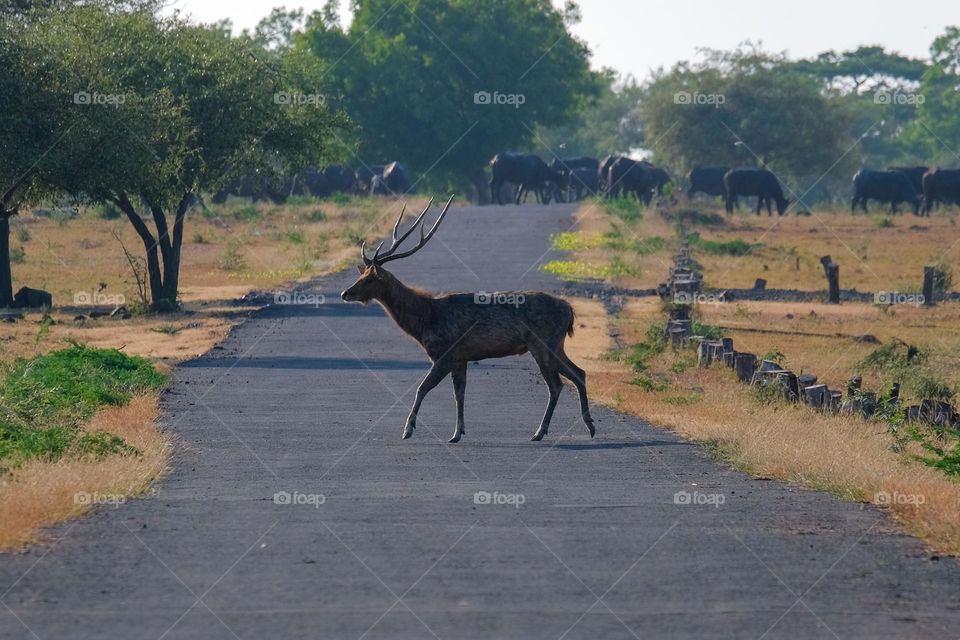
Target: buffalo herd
(392, 178)
(515, 175)
(922, 188)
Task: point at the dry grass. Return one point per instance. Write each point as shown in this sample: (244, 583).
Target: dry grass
(873, 257)
(41, 493)
(845, 455)
(225, 256)
(853, 459)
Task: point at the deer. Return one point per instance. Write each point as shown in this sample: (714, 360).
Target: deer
(458, 328)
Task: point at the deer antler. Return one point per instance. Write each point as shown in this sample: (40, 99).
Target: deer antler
(390, 254)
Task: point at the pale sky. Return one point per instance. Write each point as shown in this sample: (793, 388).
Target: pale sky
(635, 36)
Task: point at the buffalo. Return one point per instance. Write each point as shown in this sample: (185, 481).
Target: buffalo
(886, 186)
(629, 176)
(526, 170)
(363, 177)
(754, 182)
(708, 180)
(659, 178)
(395, 179)
(940, 185)
(603, 174)
(258, 188)
(578, 176)
(914, 174)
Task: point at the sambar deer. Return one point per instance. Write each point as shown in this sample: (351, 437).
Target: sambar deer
(458, 328)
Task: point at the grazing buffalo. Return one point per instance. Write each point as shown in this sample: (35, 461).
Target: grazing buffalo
(886, 186)
(708, 180)
(754, 182)
(914, 174)
(603, 174)
(940, 185)
(322, 183)
(578, 176)
(659, 178)
(526, 170)
(363, 177)
(394, 180)
(630, 176)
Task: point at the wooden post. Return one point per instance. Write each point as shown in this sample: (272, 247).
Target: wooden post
(832, 270)
(928, 273)
(760, 284)
(745, 365)
(815, 395)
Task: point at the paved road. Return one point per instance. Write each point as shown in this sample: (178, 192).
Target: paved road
(310, 400)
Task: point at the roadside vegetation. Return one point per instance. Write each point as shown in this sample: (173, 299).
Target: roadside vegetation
(863, 461)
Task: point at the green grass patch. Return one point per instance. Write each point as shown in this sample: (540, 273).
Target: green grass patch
(735, 247)
(625, 208)
(45, 400)
(246, 213)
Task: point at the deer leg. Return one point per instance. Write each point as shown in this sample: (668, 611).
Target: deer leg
(437, 373)
(548, 369)
(459, 390)
(578, 377)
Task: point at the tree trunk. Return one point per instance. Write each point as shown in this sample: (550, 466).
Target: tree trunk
(6, 278)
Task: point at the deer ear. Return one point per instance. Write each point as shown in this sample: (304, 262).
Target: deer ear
(361, 268)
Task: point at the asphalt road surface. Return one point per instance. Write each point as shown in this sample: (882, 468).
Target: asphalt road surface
(294, 510)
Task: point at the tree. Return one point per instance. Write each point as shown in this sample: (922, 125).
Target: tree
(937, 127)
(33, 120)
(607, 123)
(443, 85)
(169, 110)
(744, 108)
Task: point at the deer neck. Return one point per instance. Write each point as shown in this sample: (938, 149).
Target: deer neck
(409, 308)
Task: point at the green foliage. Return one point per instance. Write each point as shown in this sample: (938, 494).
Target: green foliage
(782, 114)
(942, 275)
(44, 401)
(18, 255)
(626, 208)
(707, 331)
(648, 383)
(929, 386)
(684, 400)
(293, 236)
(316, 215)
(641, 353)
(774, 355)
(735, 247)
(232, 259)
(394, 72)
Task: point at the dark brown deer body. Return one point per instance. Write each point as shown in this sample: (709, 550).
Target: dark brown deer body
(459, 328)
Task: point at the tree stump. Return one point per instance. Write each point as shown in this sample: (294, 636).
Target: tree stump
(928, 273)
(815, 395)
(807, 379)
(745, 364)
(832, 271)
(789, 387)
(760, 284)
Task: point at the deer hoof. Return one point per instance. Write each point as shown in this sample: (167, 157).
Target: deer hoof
(538, 436)
(455, 438)
(407, 433)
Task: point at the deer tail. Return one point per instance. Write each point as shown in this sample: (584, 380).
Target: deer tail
(572, 318)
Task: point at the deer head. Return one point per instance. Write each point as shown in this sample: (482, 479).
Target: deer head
(373, 279)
